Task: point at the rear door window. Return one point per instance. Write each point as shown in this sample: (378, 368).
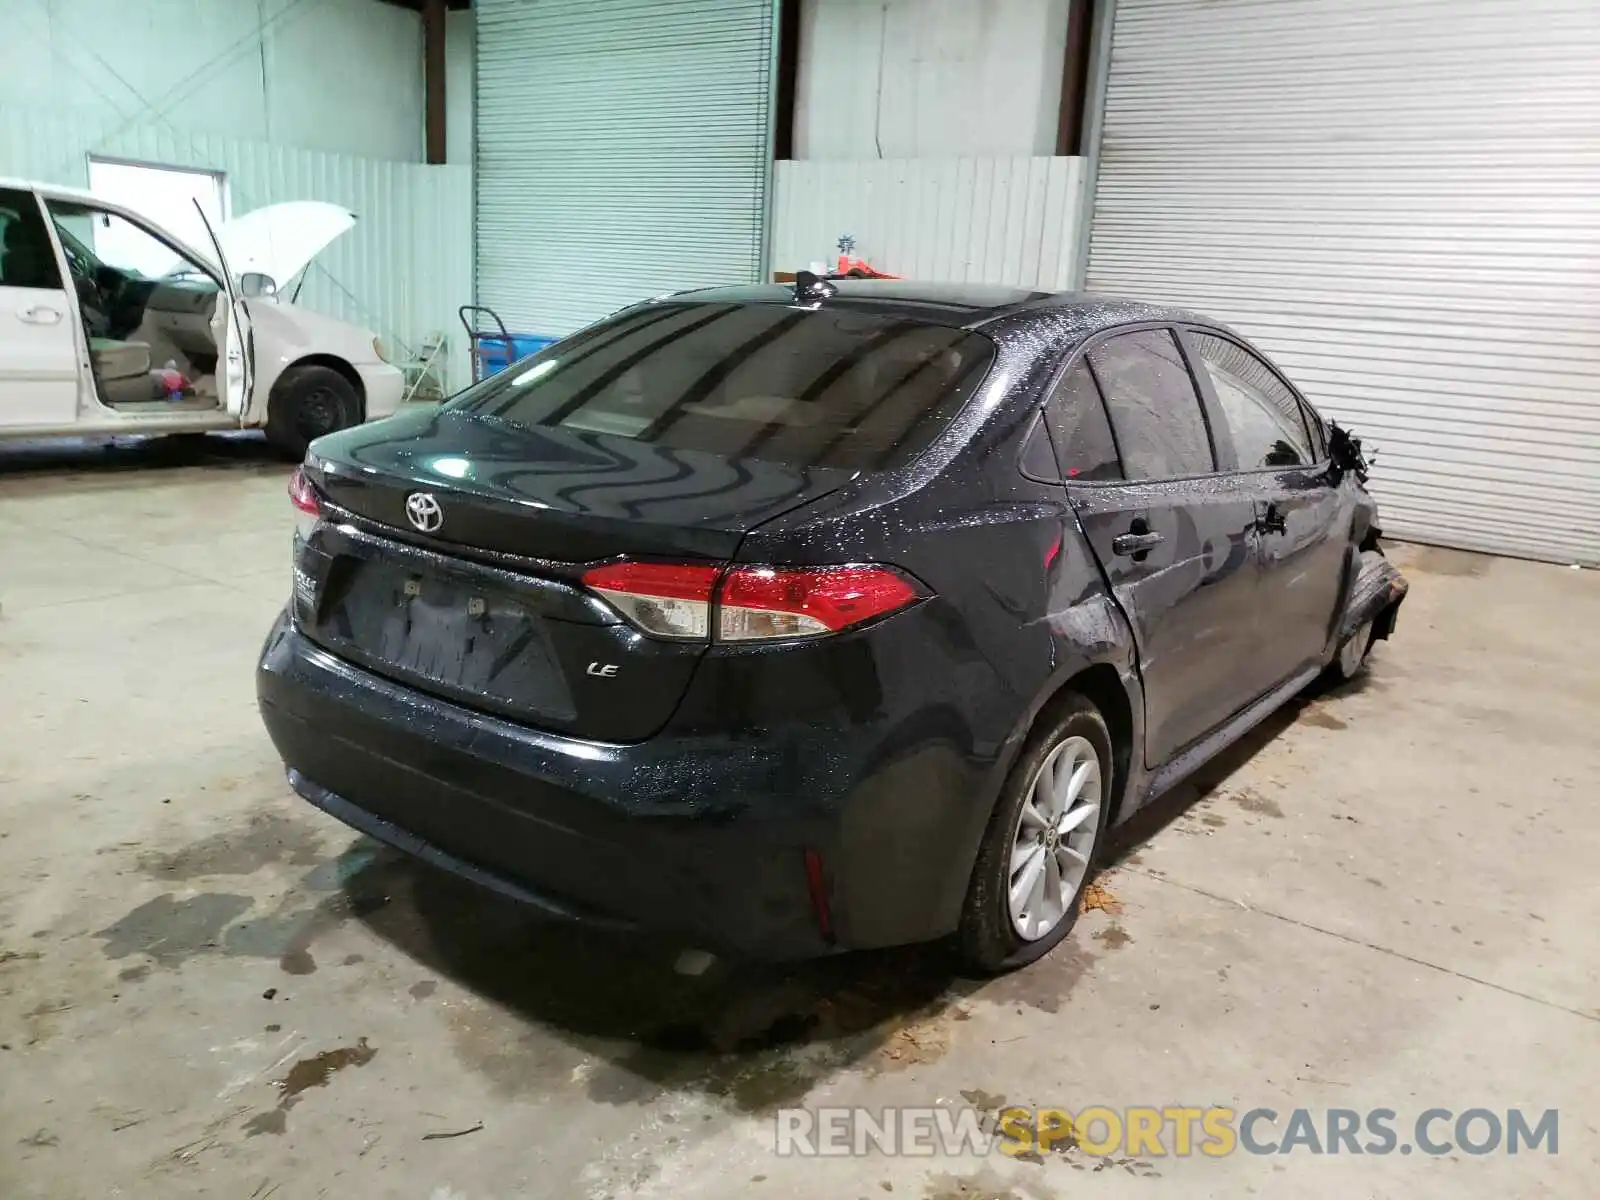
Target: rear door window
(824, 387)
(1263, 415)
(26, 257)
(1155, 410)
(1077, 418)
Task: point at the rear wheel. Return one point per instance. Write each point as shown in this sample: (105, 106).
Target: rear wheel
(1040, 848)
(308, 402)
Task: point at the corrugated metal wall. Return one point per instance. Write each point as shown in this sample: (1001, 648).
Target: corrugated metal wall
(991, 220)
(623, 149)
(929, 78)
(1401, 202)
(339, 75)
(401, 271)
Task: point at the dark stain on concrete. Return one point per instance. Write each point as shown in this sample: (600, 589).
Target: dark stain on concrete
(273, 1121)
(319, 1068)
(171, 931)
(1254, 802)
(266, 839)
(134, 974)
(297, 961)
(10, 956)
(1214, 820)
(1113, 937)
(351, 960)
(1044, 985)
(423, 989)
(40, 1139)
(1322, 719)
(1437, 560)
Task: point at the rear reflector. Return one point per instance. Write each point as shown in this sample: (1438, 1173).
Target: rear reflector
(303, 495)
(675, 600)
(817, 885)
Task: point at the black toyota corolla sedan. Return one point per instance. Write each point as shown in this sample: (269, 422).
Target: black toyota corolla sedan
(786, 619)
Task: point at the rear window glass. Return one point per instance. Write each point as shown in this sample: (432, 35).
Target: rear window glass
(829, 388)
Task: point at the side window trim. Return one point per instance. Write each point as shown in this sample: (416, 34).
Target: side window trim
(1038, 427)
(1314, 438)
(1224, 454)
(1100, 391)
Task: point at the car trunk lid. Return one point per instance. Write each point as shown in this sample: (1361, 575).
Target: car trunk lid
(486, 606)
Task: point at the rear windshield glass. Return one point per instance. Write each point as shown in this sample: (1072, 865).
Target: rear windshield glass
(828, 388)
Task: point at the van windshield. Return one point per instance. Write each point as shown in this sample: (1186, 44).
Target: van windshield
(807, 387)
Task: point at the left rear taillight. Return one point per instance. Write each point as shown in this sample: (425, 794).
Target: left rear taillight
(669, 600)
(749, 604)
(307, 509)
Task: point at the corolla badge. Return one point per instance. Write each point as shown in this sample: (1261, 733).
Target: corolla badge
(423, 511)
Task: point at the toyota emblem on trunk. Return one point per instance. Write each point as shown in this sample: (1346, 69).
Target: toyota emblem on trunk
(423, 511)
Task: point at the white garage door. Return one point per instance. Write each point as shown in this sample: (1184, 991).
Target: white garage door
(623, 150)
(1400, 202)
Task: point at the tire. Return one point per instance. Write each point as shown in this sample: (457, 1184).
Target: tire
(308, 402)
(991, 938)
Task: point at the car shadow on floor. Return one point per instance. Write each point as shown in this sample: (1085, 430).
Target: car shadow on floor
(753, 1036)
(89, 461)
(1161, 812)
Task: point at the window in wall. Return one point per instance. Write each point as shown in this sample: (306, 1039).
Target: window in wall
(1262, 413)
(1154, 407)
(167, 196)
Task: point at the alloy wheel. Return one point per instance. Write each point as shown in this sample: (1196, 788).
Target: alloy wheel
(1054, 839)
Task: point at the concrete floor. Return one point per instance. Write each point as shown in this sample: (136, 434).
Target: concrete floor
(1387, 898)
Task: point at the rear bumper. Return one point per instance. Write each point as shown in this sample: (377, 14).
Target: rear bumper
(702, 839)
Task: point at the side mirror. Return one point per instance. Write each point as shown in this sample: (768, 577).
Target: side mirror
(253, 284)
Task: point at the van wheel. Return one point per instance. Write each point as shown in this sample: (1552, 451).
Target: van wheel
(308, 402)
(1043, 840)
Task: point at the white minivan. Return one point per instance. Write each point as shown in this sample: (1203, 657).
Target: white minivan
(95, 339)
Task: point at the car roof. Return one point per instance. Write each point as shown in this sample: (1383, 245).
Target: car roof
(50, 189)
(1006, 313)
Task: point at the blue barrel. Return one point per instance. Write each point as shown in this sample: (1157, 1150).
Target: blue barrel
(495, 356)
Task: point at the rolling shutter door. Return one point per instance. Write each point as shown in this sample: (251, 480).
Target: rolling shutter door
(622, 150)
(1399, 202)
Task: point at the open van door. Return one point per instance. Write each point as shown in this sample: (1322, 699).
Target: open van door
(231, 327)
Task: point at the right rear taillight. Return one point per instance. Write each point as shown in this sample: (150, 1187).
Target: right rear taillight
(750, 604)
(307, 510)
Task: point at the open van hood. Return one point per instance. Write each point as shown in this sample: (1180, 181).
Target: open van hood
(281, 239)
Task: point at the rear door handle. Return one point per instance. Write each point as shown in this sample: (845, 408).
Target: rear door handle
(40, 314)
(1136, 544)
